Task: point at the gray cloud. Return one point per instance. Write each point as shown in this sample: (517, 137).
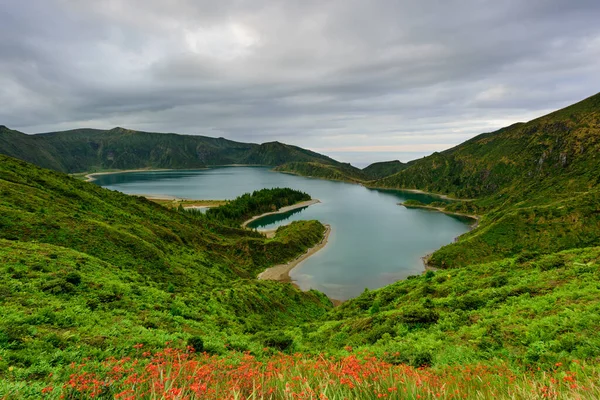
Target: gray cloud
(362, 81)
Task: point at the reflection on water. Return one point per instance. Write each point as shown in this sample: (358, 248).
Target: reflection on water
(275, 219)
(373, 241)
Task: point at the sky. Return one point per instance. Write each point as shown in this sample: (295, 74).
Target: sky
(360, 81)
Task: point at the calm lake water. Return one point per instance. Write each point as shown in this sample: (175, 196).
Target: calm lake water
(374, 241)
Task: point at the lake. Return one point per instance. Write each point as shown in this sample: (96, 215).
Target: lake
(373, 242)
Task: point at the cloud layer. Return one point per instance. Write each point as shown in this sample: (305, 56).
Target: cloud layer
(361, 81)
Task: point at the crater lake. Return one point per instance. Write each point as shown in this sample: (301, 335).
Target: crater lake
(374, 241)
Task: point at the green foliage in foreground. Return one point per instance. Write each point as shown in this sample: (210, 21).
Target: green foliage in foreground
(258, 202)
(530, 311)
(60, 306)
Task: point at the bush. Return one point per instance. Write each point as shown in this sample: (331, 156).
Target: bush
(418, 315)
(278, 340)
(549, 263)
(197, 343)
(73, 278)
(58, 286)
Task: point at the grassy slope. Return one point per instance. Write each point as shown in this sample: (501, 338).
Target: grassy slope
(563, 144)
(118, 149)
(88, 272)
(24, 147)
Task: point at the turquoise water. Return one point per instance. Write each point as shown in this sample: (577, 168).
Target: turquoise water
(374, 241)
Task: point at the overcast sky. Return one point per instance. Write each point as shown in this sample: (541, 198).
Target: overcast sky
(360, 81)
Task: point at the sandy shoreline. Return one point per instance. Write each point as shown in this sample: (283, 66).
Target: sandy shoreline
(281, 272)
(283, 209)
(92, 177)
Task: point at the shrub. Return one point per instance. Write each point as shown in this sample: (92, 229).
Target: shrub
(278, 340)
(197, 343)
(549, 263)
(73, 278)
(58, 286)
(418, 315)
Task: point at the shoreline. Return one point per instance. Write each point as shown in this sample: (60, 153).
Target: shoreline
(474, 217)
(281, 272)
(271, 233)
(283, 210)
(439, 195)
(92, 177)
(426, 257)
(354, 182)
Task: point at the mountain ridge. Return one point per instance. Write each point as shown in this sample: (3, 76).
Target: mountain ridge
(91, 150)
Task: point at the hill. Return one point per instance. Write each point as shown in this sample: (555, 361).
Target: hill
(385, 168)
(337, 172)
(563, 145)
(276, 153)
(86, 150)
(535, 185)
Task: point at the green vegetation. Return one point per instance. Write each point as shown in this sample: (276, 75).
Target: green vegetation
(382, 169)
(87, 272)
(339, 172)
(92, 150)
(258, 202)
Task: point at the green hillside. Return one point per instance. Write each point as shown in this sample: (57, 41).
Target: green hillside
(382, 169)
(85, 150)
(338, 172)
(88, 272)
(563, 145)
(29, 148)
(276, 153)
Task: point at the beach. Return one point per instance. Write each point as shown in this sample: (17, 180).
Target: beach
(281, 272)
(92, 177)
